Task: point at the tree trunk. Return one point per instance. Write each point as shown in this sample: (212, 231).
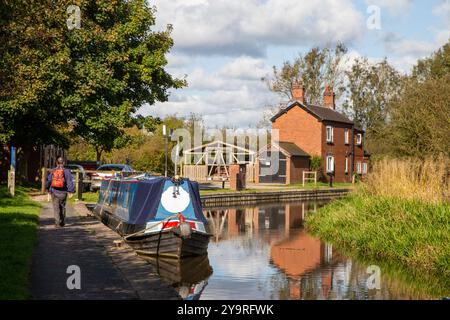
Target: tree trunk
(98, 151)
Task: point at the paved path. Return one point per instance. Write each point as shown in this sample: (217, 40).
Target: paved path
(107, 272)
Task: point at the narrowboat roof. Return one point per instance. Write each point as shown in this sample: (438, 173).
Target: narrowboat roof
(150, 198)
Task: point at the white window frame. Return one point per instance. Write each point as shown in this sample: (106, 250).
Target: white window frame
(364, 168)
(358, 167)
(346, 164)
(330, 136)
(347, 136)
(330, 164)
(359, 139)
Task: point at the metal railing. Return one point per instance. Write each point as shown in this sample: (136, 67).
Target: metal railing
(80, 178)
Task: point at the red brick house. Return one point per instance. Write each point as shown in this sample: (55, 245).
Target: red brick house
(322, 131)
(292, 161)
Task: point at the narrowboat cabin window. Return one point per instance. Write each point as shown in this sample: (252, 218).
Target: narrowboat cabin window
(329, 134)
(330, 164)
(359, 139)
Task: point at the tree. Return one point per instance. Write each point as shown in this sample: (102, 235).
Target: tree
(419, 120)
(316, 69)
(146, 152)
(94, 77)
(32, 72)
(148, 123)
(118, 66)
(436, 66)
(370, 89)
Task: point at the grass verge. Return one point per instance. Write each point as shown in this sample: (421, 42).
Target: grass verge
(412, 234)
(297, 186)
(90, 197)
(18, 237)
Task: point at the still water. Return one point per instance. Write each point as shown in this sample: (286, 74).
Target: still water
(264, 252)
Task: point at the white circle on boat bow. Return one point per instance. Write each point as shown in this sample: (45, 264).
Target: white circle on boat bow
(175, 205)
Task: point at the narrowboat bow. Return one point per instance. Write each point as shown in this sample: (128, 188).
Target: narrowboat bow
(156, 216)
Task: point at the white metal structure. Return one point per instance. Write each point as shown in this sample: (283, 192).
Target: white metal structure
(217, 156)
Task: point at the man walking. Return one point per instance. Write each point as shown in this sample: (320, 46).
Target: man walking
(59, 183)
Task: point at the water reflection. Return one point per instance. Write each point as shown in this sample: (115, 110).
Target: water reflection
(189, 276)
(263, 252)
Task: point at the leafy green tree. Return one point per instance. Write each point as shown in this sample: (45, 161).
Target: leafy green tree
(32, 72)
(436, 66)
(419, 120)
(93, 78)
(316, 69)
(370, 89)
(148, 123)
(371, 86)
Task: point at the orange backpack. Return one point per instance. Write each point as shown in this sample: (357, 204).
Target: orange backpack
(58, 178)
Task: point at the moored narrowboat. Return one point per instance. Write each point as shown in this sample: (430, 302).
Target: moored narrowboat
(156, 216)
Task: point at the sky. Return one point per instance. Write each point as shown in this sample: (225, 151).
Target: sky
(225, 47)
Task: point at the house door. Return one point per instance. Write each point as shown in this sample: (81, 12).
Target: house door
(265, 164)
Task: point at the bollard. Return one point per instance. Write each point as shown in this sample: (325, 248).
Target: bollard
(11, 182)
(44, 179)
(79, 185)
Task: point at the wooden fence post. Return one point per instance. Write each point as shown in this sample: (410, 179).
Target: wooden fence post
(12, 182)
(78, 185)
(44, 179)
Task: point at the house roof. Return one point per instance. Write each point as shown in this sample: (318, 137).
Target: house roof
(321, 113)
(287, 148)
(292, 149)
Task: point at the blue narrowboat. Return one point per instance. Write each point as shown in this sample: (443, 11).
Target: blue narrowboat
(157, 216)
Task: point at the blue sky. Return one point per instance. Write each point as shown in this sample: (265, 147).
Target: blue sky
(225, 46)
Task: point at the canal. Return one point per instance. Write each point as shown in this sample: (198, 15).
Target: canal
(264, 252)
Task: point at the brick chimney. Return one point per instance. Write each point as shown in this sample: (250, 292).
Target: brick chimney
(298, 92)
(328, 98)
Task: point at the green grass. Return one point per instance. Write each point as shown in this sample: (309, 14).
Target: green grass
(268, 188)
(18, 237)
(320, 185)
(90, 197)
(411, 234)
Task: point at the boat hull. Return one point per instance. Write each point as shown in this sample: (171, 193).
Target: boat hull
(167, 243)
(170, 244)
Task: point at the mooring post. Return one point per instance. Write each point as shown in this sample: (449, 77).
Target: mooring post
(78, 185)
(44, 179)
(11, 182)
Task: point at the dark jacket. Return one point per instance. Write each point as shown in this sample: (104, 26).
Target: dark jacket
(68, 183)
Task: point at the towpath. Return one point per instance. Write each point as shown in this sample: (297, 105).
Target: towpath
(106, 271)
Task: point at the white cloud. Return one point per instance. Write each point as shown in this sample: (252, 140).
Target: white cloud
(221, 46)
(408, 47)
(235, 27)
(234, 95)
(395, 7)
(443, 10)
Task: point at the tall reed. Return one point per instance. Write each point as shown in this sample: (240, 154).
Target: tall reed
(427, 180)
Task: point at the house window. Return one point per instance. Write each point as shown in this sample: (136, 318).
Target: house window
(346, 136)
(358, 167)
(364, 168)
(346, 164)
(359, 139)
(329, 134)
(330, 164)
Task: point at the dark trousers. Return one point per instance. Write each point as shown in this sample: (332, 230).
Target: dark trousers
(59, 207)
